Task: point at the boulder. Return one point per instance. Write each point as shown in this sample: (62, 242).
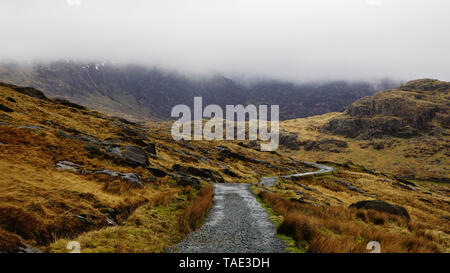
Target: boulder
(382, 206)
(135, 156)
(133, 179)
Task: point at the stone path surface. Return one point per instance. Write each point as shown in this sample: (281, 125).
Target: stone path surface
(237, 223)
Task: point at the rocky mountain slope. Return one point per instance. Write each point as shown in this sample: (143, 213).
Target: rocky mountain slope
(68, 170)
(70, 173)
(139, 93)
(404, 131)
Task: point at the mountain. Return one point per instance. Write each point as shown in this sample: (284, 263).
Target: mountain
(404, 131)
(139, 93)
(66, 170)
(69, 173)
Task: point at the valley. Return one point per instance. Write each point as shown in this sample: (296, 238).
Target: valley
(118, 185)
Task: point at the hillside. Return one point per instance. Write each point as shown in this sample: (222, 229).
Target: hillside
(67, 170)
(402, 131)
(140, 93)
(70, 173)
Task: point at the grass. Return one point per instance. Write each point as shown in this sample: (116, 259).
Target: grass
(193, 216)
(39, 205)
(291, 245)
(341, 229)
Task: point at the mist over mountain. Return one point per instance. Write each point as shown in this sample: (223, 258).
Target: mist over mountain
(140, 93)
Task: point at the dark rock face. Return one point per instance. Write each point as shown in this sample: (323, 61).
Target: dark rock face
(394, 112)
(135, 156)
(156, 91)
(30, 91)
(382, 206)
(368, 128)
(289, 140)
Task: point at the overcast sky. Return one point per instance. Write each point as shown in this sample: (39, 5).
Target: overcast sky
(288, 39)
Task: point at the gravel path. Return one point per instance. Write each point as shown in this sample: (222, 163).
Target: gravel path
(236, 223)
(322, 169)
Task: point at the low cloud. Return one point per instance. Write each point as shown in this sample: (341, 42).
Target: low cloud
(285, 39)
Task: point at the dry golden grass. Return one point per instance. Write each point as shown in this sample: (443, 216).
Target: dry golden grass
(341, 229)
(413, 157)
(194, 215)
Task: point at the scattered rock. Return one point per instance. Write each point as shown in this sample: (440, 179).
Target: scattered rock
(157, 172)
(11, 99)
(114, 151)
(378, 145)
(188, 181)
(425, 200)
(5, 123)
(66, 166)
(382, 206)
(229, 172)
(133, 179)
(150, 179)
(203, 172)
(135, 156)
(32, 127)
(109, 221)
(268, 181)
(107, 172)
(403, 186)
(5, 109)
(348, 185)
(69, 103)
(113, 140)
(289, 140)
(29, 249)
(328, 144)
(93, 150)
(85, 219)
(150, 148)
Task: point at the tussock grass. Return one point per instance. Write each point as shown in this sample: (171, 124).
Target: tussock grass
(194, 215)
(341, 229)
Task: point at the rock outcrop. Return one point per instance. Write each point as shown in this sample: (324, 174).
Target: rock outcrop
(382, 206)
(402, 112)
